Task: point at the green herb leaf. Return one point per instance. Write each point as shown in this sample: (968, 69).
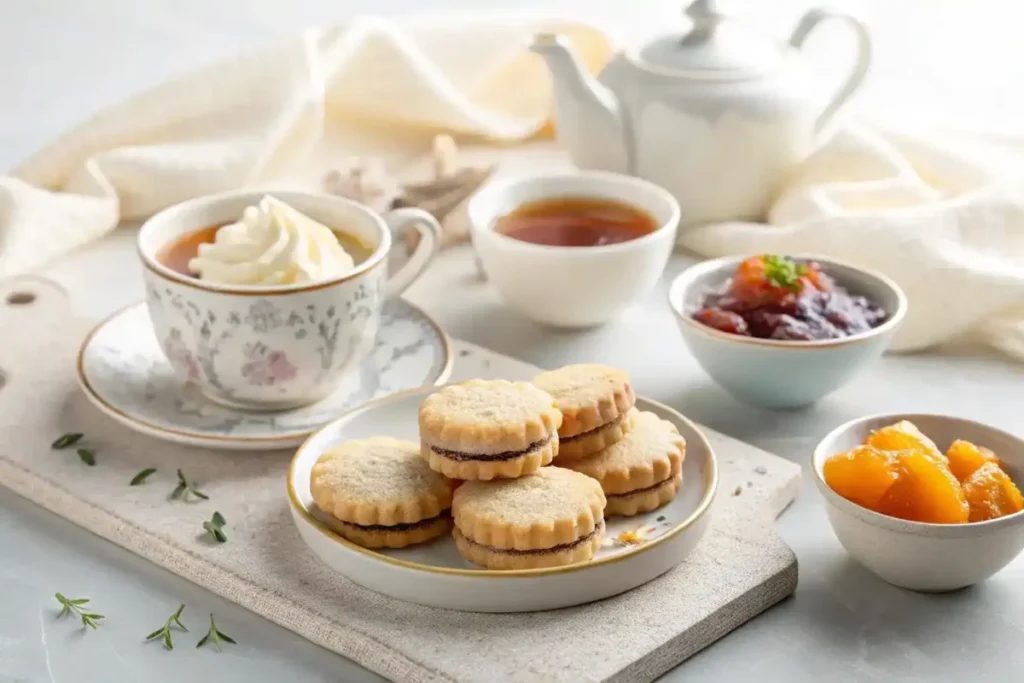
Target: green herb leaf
(73, 606)
(185, 488)
(215, 527)
(215, 636)
(164, 632)
(66, 440)
(141, 477)
(88, 456)
(783, 272)
(176, 617)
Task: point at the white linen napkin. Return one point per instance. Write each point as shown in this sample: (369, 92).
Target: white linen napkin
(373, 86)
(942, 216)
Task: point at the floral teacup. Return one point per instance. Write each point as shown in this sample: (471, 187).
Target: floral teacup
(275, 347)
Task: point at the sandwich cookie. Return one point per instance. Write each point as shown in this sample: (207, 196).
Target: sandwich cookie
(641, 472)
(489, 429)
(595, 401)
(551, 518)
(381, 493)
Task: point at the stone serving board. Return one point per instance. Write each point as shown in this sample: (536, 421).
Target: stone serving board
(740, 568)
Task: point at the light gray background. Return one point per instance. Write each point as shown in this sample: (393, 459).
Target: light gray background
(61, 61)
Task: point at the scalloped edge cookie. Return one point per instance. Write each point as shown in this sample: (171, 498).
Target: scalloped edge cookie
(582, 550)
(652, 452)
(369, 508)
(549, 508)
(391, 537)
(486, 417)
(643, 500)
(596, 440)
(486, 467)
(589, 396)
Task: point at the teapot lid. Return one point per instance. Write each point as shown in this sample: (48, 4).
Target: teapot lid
(716, 45)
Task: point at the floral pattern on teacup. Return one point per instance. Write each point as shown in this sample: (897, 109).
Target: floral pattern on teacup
(266, 348)
(265, 366)
(127, 368)
(180, 356)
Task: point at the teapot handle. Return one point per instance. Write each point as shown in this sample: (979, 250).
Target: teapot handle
(807, 24)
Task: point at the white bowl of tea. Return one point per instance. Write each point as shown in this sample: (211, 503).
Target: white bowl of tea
(573, 249)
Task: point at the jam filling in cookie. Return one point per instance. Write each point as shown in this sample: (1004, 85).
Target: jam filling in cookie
(653, 487)
(461, 456)
(408, 526)
(599, 529)
(591, 432)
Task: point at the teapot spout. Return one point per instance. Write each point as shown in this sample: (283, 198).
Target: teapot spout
(589, 119)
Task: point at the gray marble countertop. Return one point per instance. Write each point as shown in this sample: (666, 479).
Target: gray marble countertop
(842, 625)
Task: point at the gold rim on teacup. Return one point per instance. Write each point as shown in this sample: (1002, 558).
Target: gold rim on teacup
(151, 263)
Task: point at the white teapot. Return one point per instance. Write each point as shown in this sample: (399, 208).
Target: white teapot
(717, 116)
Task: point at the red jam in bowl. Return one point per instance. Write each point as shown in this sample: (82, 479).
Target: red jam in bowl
(773, 297)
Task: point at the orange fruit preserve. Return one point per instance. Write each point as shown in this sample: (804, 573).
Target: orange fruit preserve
(900, 472)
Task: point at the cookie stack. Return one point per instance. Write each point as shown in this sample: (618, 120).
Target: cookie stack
(635, 456)
(380, 493)
(511, 512)
(481, 470)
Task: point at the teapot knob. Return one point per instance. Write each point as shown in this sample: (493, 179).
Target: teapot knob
(701, 9)
(704, 17)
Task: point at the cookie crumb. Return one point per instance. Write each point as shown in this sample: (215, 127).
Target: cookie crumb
(636, 536)
(661, 518)
(761, 469)
(737, 491)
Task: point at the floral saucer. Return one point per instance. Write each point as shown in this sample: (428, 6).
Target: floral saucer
(123, 371)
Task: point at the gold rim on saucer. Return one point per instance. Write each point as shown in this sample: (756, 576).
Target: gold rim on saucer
(94, 396)
(710, 487)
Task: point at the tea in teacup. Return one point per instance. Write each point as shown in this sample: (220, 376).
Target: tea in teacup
(576, 222)
(271, 244)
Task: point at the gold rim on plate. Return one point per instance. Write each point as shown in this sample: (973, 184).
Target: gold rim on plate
(710, 487)
(83, 382)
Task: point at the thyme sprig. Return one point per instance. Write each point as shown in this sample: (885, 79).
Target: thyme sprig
(164, 632)
(141, 477)
(74, 606)
(185, 488)
(215, 636)
(215, 527)
(66, 440)
(783, 272)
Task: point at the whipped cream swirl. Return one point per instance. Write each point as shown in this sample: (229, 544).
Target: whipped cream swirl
(273, 244)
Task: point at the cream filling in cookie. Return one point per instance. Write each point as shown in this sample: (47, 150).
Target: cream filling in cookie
(598, 529)
(408, 526)
(645, 489)
(591, 432)
(461, 456)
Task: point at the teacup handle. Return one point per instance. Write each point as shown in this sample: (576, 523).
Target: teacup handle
(430, 243)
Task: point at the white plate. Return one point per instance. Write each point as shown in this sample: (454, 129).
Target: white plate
(123, 371)
(434, 574)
